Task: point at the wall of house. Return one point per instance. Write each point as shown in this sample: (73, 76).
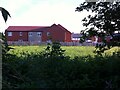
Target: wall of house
(34, 37)
(44, 35)
(57, 34)
(16, 36)
(68, 37)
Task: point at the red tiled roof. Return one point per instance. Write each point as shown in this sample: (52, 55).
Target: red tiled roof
(26, 28)
(33, 28)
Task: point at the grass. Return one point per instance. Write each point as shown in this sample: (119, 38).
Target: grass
(71, 51)
(110, 52)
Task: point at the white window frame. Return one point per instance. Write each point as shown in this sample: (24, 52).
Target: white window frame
(48, 33)
(9, 33)
(39, 34)
(30, 34)
(20, 33)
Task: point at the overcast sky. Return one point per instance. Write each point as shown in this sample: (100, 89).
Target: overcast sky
(43, 13)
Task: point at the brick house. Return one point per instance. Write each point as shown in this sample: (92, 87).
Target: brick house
(37, 34)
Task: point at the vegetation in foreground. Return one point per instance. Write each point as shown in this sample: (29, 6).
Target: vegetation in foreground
(47, 71)
(53, 69)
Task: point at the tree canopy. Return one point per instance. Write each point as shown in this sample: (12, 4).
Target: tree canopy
(3, 41)
(106, 19)
(104, 22)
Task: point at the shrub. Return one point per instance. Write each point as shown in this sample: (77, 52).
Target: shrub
(37, 71)
(5, 47)
(54, 50)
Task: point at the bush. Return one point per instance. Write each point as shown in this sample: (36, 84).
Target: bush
(36, 71)
(4, 44)
(54, 50)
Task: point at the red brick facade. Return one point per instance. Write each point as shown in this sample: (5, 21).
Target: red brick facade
(15, 36)
(53, 33)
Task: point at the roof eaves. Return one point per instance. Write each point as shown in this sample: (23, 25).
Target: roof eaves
(60, 26)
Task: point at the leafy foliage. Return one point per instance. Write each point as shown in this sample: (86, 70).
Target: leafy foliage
(3, 41)
(5, 47)
(5, 13)
(54, 50)
(105, 21)
(106, 18)
(36, 71)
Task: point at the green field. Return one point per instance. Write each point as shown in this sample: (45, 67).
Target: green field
(71, 51)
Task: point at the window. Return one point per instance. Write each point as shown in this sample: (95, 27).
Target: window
(39, 34)
(48, 33)
(20, 33)
(9, 33)
(30, 34)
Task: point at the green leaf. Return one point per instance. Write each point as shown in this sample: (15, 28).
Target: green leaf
(5, 13)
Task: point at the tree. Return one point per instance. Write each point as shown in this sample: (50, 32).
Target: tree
(105, 21)
(3, 41)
